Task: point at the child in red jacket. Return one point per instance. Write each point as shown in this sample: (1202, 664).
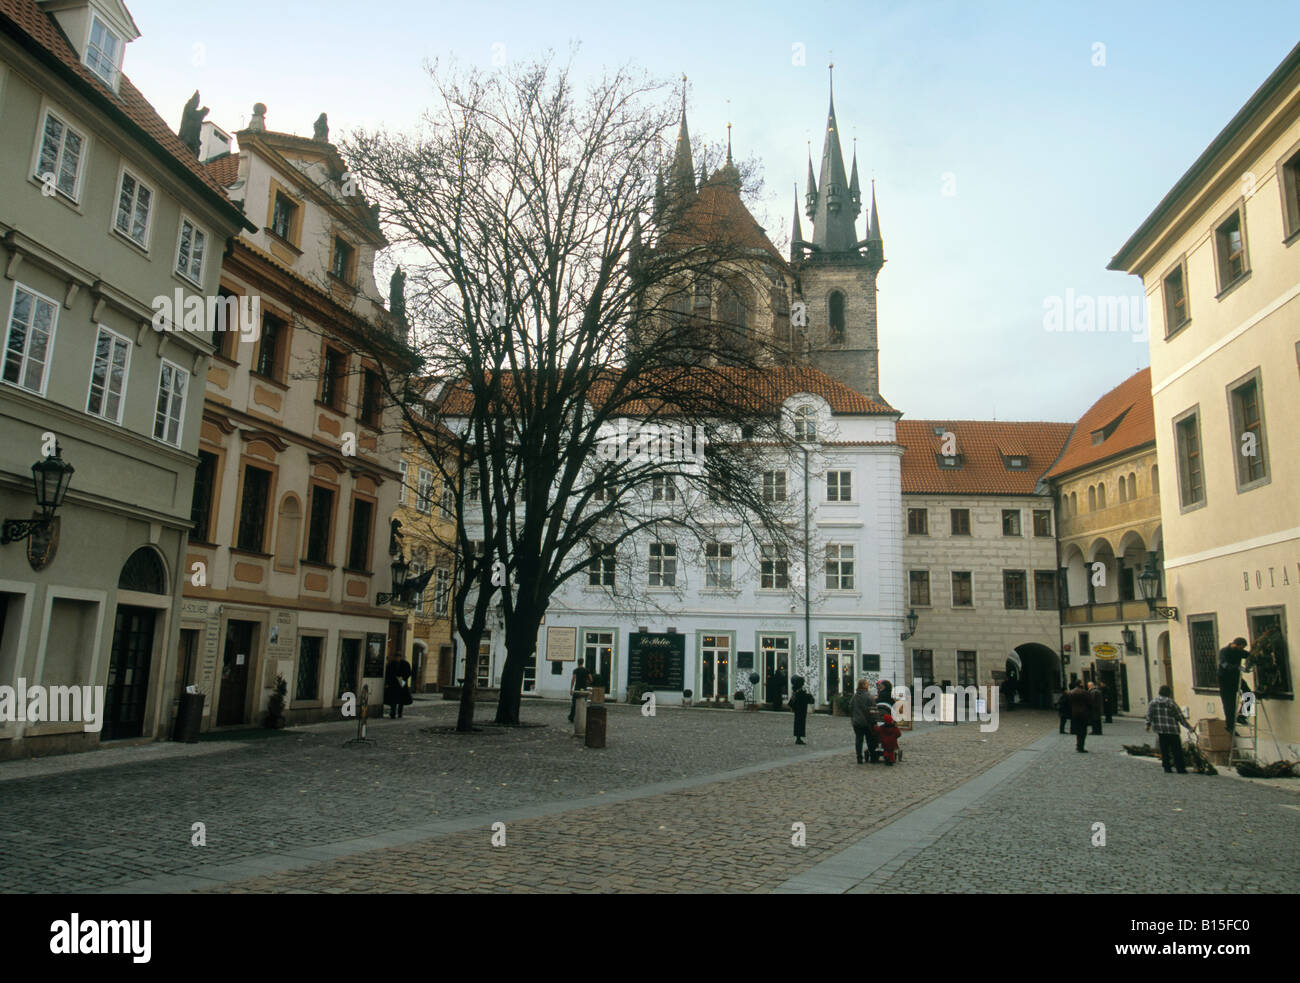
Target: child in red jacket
(888, 733)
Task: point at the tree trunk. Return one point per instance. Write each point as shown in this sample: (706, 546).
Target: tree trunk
(512, 684)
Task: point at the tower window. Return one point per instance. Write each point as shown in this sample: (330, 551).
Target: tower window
(836, 310)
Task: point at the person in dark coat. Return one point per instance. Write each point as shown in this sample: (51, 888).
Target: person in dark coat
(1107, 701)
(864, 707)
(1009, 693)
(1230, 681)
(1080, 714)
(1094, 694)
(889, 734)
(800, 701)
(1063, 708)
(397, 685)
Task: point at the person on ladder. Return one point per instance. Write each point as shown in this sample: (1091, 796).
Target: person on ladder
(1231, 683)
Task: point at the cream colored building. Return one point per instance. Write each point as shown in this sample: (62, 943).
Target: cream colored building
(298, 448)
(1107, 489)
(979, 553)
(1220, 262)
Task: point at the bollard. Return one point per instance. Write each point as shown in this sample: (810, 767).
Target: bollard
(596, 725)
(580, 715)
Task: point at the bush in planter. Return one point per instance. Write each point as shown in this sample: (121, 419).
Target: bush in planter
(844, 704)
(275, 706)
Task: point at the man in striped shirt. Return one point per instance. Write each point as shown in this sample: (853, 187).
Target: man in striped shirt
(1165, 714)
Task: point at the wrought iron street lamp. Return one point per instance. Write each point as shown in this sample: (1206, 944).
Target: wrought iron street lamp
(912, 619)
(1149, 585)
(399, 570)
(50, 479)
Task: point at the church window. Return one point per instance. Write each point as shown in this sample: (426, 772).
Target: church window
(835, 307)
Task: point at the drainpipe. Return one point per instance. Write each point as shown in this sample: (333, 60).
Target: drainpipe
(807, 570)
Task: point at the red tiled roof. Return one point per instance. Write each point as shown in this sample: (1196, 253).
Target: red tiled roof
(764, 390)
(1131, 399)
(980, 443)
(717, 215)
(224, 170)
(39, 31)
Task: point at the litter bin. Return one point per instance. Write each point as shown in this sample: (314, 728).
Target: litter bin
(596, 725)
(188, 718)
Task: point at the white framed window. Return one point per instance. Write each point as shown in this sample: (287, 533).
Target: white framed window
(104, 52)
(401, 491)
(839, 566)
(663, 564)
(417, 567)
(60, 155)
(805, 424)
(30, 339)
(717, 565)
(600, 571)
(447, 501)
(108, 375)
(662, 488)
(191, 247)
(134, 208)
(774, 568)
(839, 486)
(774, 486)
(424, 491)
(170, 411)
(472, 488)
(441, 592)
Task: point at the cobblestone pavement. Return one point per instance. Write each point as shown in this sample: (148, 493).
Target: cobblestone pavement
(727, 836)
(1163, 832)
(99, 819)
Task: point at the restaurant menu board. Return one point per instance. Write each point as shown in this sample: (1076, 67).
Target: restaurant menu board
(656, 660)
(375, 655)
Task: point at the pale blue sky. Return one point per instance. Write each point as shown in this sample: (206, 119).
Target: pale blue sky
(1054, 161)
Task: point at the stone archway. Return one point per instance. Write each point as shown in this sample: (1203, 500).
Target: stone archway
(1039, 674)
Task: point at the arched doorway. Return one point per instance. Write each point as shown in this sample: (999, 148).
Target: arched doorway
(1038, 674)
(126, 695)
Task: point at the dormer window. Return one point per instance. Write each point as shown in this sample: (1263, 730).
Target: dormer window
(1100, 436)
(1014, 463)
(951, 461)
(104, 52)
(805, 425)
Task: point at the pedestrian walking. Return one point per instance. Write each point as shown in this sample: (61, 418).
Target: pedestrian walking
(888, 733)
(1164, 714)
(581, 680)
(1063, 708)
(1080, 714)
(1094, 694)
(864, 707)
(1230, 681)
(800, 701)
(397, 685)
(1009, 693)
(778, 688)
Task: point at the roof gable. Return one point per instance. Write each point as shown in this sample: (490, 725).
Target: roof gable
(1124, 419)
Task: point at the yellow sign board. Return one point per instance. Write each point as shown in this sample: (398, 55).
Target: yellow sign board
(1105, 651)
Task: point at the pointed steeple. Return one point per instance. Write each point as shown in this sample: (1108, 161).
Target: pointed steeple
(796, 231)
(681, 175)
(833, 222)
(810, 197)
(704, 177)
(875, 244)
(855, 192)
(661, 195)
(729, 173)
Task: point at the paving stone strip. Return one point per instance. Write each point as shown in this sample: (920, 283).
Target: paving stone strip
(729, 835)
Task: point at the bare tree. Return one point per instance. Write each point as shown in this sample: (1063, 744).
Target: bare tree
(554, 295)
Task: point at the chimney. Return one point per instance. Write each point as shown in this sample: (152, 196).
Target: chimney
(213, 142)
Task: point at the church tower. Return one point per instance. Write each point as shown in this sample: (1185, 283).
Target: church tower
(835, 272)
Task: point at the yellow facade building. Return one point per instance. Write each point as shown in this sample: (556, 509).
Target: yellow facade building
(1220, 262)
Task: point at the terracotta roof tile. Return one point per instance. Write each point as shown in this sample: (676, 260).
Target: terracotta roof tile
(717, 214)
(39, 29)
(766, 388)
(979, 442)
(1129, 403)
(224, 170)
